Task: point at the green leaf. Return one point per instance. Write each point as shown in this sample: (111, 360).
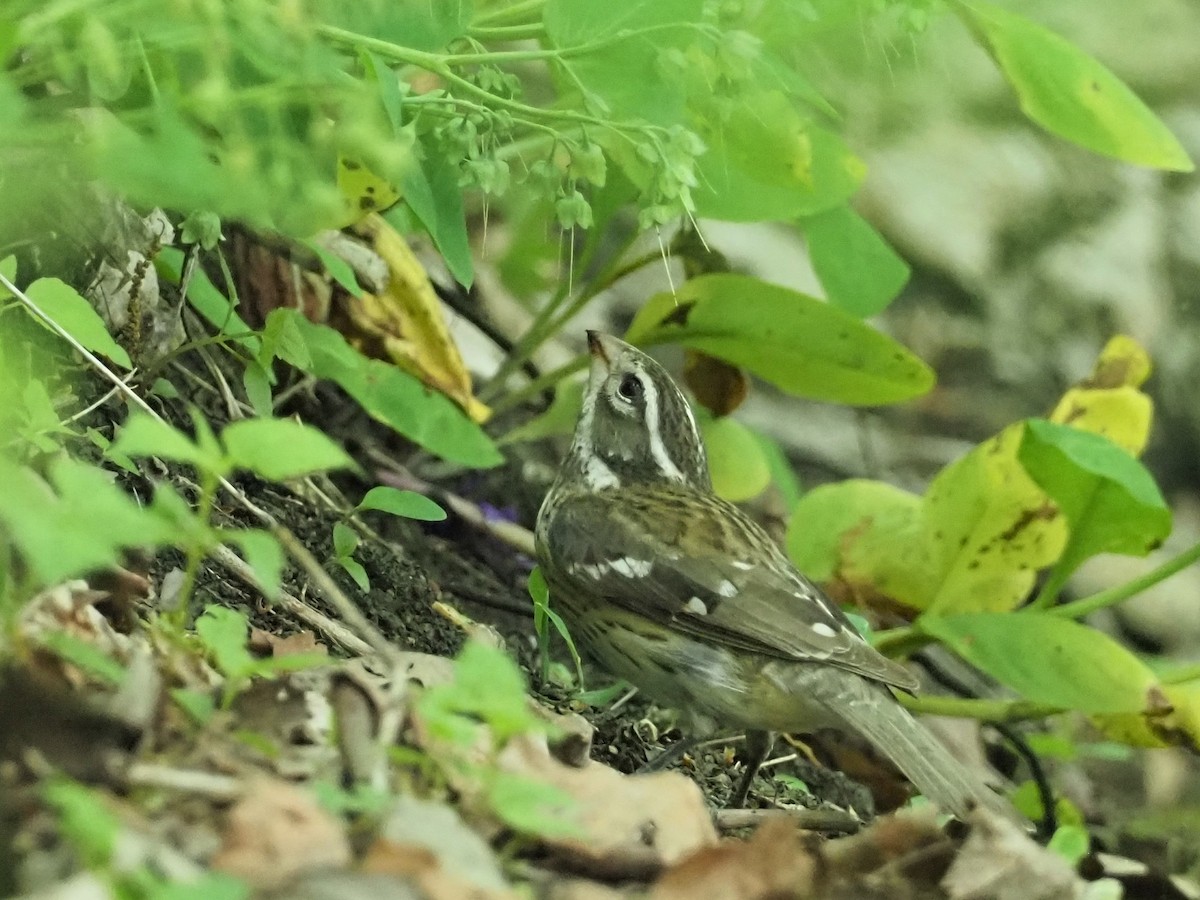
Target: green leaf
(81, 525)
(794, 341)
(143, 435)
(1069, 93)
(637, 35)
(431, 191)
(8, 268)
(264, 556)
(224, 633)
(197, 704)
(820, 544)
(1048, 659)
(531, 806)
(86, 820)
(487, 685)
(543, 615)
(767, 163)
(408, 504)
(356, 571)
(1111, 502)
(345, 539)
(257, 382)
(860, 272)
(783, 475)
(1072, 842)
(88, 657)
(213, 306)
(209, 886)
(559, 417)
(394, 397)
(736, 460)
(339, 270)
(278, 449)
(77, 317)
(419, 24)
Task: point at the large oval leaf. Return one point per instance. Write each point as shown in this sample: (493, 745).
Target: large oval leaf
(1067, 92)
(796, 342)
(1111, 502)
(766, 162)
(1050, 660)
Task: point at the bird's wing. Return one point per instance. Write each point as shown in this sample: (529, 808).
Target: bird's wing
(697, 564)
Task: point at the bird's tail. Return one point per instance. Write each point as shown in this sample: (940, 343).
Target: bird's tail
(869, 709)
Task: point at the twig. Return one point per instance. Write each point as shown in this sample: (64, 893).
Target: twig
(834, 821)
(188, 781)
(320, 622)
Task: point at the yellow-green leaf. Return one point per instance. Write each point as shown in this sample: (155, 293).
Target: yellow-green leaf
(802, 345)
(1050, 660)
(735, 459)
(1069, 93)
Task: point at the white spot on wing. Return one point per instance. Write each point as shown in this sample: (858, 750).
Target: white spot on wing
(744, 566)
(824, 630)
(727, 588)
(696, 606)
(625, 566)
(630, 567)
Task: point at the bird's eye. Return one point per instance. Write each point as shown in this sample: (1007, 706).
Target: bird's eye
(630, 388)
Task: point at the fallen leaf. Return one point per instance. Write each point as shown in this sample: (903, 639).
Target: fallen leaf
(774, 864)
(276, 645)
(1000, 862)
(277, 831)
(404, 323)
(626, 826)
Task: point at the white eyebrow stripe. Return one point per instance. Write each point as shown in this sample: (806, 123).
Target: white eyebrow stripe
(657, 448)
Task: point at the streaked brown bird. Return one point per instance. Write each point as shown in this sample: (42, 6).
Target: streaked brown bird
(680, 593)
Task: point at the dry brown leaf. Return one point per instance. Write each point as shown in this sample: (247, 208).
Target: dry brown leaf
(1000, 862)
(405, 324)
(277, 831)
(421, 866)
(631, 826)
(276, 645)
(774, 864)
(718, 386)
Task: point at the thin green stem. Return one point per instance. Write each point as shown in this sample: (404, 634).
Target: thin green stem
(1111, 597)
(528, 9)
(508, 32)
(543, 382)
(898, 643)
(985, 710)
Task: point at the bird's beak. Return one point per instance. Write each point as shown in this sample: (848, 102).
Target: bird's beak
(603, 347)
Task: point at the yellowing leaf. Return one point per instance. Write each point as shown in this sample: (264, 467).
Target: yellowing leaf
(976, 540)
(405, 324)
(1172, 718)
(363, 190)
(988, 528)
(1109, 401)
